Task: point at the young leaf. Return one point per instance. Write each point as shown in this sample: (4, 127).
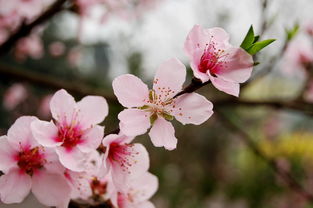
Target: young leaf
(291, 33)
(256, 38)
(256, 47)
(248, 40)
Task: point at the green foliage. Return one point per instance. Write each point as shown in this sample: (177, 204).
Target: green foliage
(251, 44)
(256, 47)
(249, 39)
(291, 33)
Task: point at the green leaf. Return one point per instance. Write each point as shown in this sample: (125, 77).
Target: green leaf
(248, 40)
(256, 38)
(153, 118)
(291, 33)
(256, 47)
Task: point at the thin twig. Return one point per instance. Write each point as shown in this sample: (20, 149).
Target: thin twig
(53, 83)
(285, 175)
(25, 29)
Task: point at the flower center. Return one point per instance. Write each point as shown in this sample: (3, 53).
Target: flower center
(69, 135)
(122, 154)
(30, 160)
(157, 104)
(212, 59)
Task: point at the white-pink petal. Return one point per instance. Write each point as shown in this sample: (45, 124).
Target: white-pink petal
(169, 77)
(92, 110)
(14, 186)
(62, 106)
(238, 66)
(146, 185)
(51, 189)
(91, 139)
(20, 135)
(131, 166)
(162, 134)
(192, 108)
(196, 39)
(7, 155)
(72, 159)
(45, 133)
(134, 122)
(226, 86)
(130, 90)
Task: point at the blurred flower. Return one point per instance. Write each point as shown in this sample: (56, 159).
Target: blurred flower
(298, 55)
(29, 46)
(157, 106)
(214, 59)
(57, 48)
(75, 132)
(29, 166)
(44, 107)
(74, 56)
(16, 94)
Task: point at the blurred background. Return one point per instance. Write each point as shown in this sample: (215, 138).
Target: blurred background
(83, 51)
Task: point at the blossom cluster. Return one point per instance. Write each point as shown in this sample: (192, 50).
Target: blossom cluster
(70, 157)
(15, 13)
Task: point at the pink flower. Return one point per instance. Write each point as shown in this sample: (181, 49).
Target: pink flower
(29, 166)
(157, 106)
(299, 53)
(139, 192)
(29, 46)
(16, 94)
(123, 160)
(75, 132)
(44, 107)
(57, 48)
(213, 58)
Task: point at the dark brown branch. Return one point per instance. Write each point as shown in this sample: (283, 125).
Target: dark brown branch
(193, 86)
(25, 29)
(74, 204)
(79, 89)
(285, 175)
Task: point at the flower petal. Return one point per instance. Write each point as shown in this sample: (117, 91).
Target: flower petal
(196, 40)
(15, 186)
(162, 134)
(225, 86)
(169, 78)
(62, 106)
(130, 90)
(134, 122)
(146, 186)
(72, 159)
(238, 66)
(51, 189)
(91, 139)
(130, 165)
(20, 134)
(194, 66)
(7, 154)
(192, 108)
(45, 133)
(146, 204)
(92, 110)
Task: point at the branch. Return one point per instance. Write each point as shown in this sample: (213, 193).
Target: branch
(53, 83)
(285, 175)
(24, 30)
